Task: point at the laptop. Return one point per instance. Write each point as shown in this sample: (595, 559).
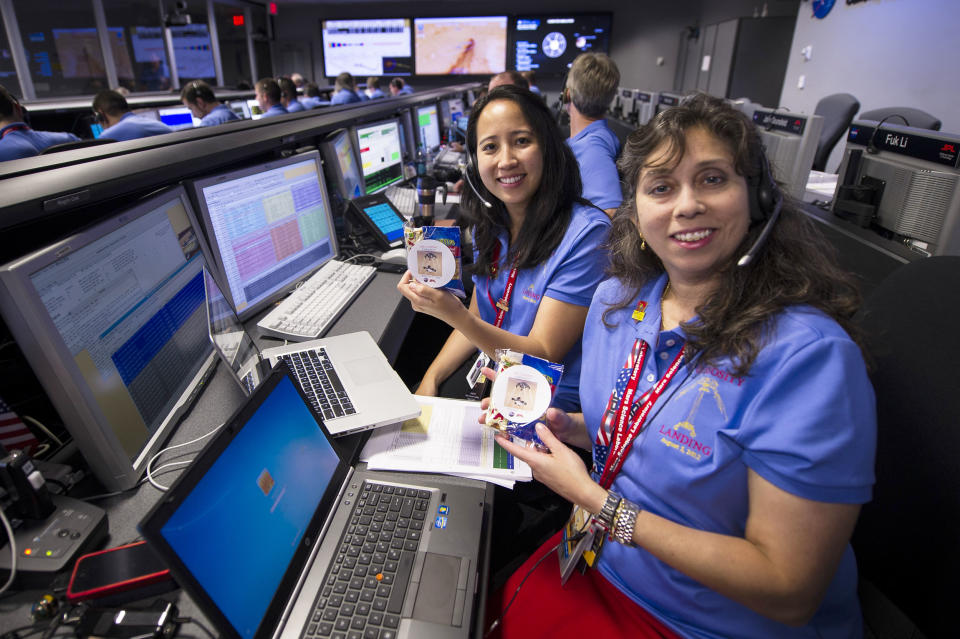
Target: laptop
(346, 378)
(273, 534)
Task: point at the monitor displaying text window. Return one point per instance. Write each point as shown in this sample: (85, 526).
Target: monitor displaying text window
(177, 118)
(381, 158)
(367, 47)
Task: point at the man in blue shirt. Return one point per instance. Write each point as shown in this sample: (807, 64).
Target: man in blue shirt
(288, 95)
(120, 123)
(313, 98)
(399, 87)
(199, 98)
(17, 140)
(344, 90)
(373, 88)
(268, 96)
(591, 86)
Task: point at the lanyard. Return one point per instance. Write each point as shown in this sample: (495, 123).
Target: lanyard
(503, 304)
(12, 128)
(624, 434)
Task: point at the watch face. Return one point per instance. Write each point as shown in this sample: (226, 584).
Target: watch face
(822, 7)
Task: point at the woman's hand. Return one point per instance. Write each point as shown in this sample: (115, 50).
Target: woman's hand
(443, 305)
(427, 388)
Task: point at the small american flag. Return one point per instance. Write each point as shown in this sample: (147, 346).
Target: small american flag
(14, 434)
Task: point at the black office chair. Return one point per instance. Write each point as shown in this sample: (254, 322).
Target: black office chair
(837, 110)
(79, 144)
(915, 117)
(906, 540)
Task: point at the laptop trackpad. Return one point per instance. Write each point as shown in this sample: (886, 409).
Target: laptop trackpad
(437, 593)
(366, 370)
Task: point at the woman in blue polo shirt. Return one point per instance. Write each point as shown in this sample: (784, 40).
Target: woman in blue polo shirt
(536, 232)
(728, 490)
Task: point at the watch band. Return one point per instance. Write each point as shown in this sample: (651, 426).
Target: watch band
(624, 522)
(609, 510)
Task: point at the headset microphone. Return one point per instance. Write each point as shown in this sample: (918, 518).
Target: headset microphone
(465, 170)
(766, 203)
(748, 256)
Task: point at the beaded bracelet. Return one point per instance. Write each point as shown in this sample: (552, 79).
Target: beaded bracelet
(624, 522)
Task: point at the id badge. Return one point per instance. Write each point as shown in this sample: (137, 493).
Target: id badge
(474, 375)
(578, 541)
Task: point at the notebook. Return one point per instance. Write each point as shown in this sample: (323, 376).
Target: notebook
(346, 378)
(273, 534)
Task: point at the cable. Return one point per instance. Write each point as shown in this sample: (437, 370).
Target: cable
(496, 622)
(196, 623)
(372, 258)
(160, 487)
(44, 429)
(13, 551)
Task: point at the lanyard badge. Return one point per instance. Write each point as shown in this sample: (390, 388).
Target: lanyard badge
(475, 379)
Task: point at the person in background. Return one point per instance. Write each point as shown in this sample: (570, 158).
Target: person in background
(508, 77)
(198, 96)
(312, 97)
(17, 140)
(298, 80)
(399, 87)
(735, 396)
(373, 90)
(288, 95)
(345, 90)
(591, 86)
(268, 95)
(119, 122)
(531, 81)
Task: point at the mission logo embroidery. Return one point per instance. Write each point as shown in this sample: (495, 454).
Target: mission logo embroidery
(682, 436)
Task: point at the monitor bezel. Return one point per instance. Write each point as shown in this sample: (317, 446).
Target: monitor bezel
(415, 116)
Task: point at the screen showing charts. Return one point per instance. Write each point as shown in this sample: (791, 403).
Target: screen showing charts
(380, 158)
(268, 226)
(445, 46)
(254, 107)
(428, 125)
(178, 118)
(367, 47)
(548, 44)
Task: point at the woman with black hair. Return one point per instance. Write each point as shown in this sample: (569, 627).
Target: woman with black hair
(537, 250)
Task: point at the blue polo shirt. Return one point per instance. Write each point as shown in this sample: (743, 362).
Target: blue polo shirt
(596, 149)
(219, 115)
(295, 106)
(275, 109)
(377, 93)
(344, 96)
(17, 140)
(406, 90)
(132, 127)
(803, 419)
(570, 274)
(313, 102)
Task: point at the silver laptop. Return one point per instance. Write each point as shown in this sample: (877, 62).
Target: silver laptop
(273, 534)
(346, 378)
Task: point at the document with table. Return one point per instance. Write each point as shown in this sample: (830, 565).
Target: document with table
(446, 438)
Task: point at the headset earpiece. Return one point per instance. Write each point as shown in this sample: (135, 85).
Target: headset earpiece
(764, 193)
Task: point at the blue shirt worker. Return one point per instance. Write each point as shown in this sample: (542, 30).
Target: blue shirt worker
(120, 123)
(345, 90)
(198, 96)
(268, 95)
(399, 87)
(591, 86)
(17, 140)
(373, 90)
(288, 95)
(313, 98)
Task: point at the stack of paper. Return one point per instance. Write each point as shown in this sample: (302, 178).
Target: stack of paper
(446, 438)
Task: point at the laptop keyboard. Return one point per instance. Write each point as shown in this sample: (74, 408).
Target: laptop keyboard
(320, 382)
(362, 593)
(403, 199)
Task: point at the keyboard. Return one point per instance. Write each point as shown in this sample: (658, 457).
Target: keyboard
(363, 590)
(320, 382)
(403, 199)
(311, 309)
(449, 158)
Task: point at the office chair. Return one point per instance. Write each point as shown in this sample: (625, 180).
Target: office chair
(916, 117)
(79, 144)
(837, 110)
(906, 538)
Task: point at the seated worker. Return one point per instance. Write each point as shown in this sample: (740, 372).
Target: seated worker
(508, 77)
(399, 87)
(17, 140)
(312, 97)
(345, 90)
(288, 95)
(198, 96)
(735, 479)
(591, 86)
(268, 95)
(298, 81)
(530, 78)
(373, 89)
(120, 123)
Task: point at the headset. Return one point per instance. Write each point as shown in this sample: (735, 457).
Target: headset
(766, 202)
(471, 167)
(872, 143)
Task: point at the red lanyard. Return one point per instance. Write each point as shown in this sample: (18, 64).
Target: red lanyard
(12, 128)
(624, 434)
(503, 304)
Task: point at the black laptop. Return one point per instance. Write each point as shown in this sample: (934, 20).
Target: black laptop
(274, 534)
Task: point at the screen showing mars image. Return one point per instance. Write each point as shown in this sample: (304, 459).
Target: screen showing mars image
(469, 46)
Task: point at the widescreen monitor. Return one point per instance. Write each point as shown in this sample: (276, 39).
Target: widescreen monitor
(113, 323)
(381, 158)
(366, 48)
(267, 226)
(466, 46)
(177, 118)
(428, 127)
(341, 166)
(255, 111)
(547, 44)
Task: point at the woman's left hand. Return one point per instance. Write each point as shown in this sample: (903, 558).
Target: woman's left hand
(561, 469)
(441, 304)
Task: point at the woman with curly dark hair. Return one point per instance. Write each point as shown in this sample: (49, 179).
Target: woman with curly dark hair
(726, 403)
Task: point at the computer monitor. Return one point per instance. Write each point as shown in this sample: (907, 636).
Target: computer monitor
(547, 44)
(255, 111)
(468, 45)
(341, 166)
(96, 129)
(428, 126)
(380, 47)
(267, 227)
(177, 118)
(241, 108)
(451, 110)
(381, 155)
(791, 141)
(113, 323)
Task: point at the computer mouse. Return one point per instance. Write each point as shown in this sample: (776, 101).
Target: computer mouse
(395, 256)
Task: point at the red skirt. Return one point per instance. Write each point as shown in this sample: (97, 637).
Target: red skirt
(587, 605)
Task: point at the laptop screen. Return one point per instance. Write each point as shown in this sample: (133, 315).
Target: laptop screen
(239, 527)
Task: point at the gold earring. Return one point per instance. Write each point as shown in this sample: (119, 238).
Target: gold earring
(643, 243)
